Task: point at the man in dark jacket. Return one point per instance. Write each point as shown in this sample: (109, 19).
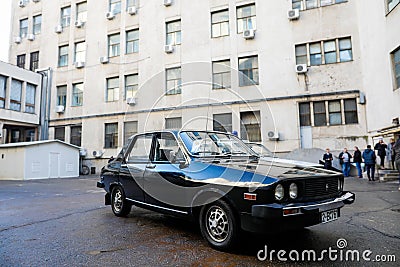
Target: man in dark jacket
(396, 151)
(381, 148)
(328, 158)
(357, 159)
(369, 160)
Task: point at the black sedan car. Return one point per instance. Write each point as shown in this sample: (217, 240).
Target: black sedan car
(217, 180)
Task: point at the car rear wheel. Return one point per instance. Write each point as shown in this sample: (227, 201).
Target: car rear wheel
(119, 204)
(219, 225)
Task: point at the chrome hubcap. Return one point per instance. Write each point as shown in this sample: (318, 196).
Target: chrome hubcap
(118, 201)
(217, 224)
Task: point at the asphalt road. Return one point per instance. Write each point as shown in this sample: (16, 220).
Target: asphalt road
(63, 222)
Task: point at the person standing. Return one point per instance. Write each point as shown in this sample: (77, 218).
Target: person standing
(328, 158)
(396, 151)
(390, 154)
(381, 148)
(357, 159)
(344, 158)
(369, 160)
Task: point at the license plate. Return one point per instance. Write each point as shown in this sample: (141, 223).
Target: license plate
(329, 216)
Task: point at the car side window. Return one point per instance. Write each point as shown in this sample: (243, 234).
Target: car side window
(141, 148)
(165, 144)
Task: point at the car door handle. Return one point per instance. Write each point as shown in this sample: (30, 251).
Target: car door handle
(150, 166)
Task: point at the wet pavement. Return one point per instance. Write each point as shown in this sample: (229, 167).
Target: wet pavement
(63, 222)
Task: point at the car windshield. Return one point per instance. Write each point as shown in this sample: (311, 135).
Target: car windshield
(205, 144)
(260, 149)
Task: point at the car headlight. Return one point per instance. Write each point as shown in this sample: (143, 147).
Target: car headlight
(293, 190)
(279, 192)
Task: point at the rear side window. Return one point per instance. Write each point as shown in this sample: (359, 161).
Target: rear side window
(141, 148)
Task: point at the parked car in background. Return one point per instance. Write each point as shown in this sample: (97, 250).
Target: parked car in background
(217, 180)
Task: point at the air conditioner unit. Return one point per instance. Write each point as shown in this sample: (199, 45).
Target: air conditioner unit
(82, 152)
(131, 101)
(273, 136)
(79, 24)
(301, 68)
(293, 14)
(167, 2)
(169, 49)
(17, 40)
(110, 15)
(21, 3)
(58, 29)
(60, 109)
(97, 153)
(104, 60)
(248, 34)
(79, 64)
(31, 37)
(132, 10)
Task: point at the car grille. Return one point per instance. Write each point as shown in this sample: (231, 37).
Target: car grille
(320, 187)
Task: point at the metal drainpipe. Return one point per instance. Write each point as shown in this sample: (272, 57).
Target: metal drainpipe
(45, 103)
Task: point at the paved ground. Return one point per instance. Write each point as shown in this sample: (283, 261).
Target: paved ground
(63, 222)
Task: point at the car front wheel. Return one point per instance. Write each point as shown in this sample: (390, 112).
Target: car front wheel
(219, 225)
(119, 204)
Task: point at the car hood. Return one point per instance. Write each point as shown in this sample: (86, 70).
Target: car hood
(243, 171)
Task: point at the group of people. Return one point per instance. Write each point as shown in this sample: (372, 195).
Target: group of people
(368, 156)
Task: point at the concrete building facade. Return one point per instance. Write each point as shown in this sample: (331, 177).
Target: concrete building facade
(291, 74)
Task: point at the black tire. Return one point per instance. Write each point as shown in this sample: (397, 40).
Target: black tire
(119, 204)
(219, 225)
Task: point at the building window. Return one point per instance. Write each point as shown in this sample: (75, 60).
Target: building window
(315, 54)
(112, 89)
(222, 122)
(81, 12)
(77, 94)
(301, 54)
(173, 81)
(30, 98)
(132, 41)
(250, 126)
(335, 112)
(63, 56)
(131, 86)
(21, 61)
(80, 52)
(130, 128)
(248, 71)
(115, 6)
(319, 113)
(66, 16)
(113, 45)
(246, 18)
(23, 28)
(61, 95)
(34, 62)
(305, 114)
(220, 23)
(37, 24)
(173, 32)
(350, 111)
(59, 133)
(111, 135)
(131, 3)
(3, 87)
(310, 4)
(396, 67)
(345, 50)
(15, 95)
(76, 135)
(334, 51)
(173, 123)
(392, 4)
(221, 74)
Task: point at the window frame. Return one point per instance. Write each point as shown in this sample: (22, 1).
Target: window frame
(77, 94)
(220, 24)
(65, 17)
(240, 19)
(81, 15)
(133, 88)
(37, 26)
(132, 42)
(175, 33)
(23, 27)
(112, 4)
(3, 92)
(177, 89)
(16, 103)
(219, 123)
(61, 98)
(244, 79)
(63, 57)
(80, 51)
(321, 113)
(348, 112)
(114, 48)
(335, 112)
(21, 63)
(127, 134)
(221, 74)
(305, 118)
(34, 61)
(76, 139)
(396, 67)
(30, 107)
(114, 90)
(59, 130)
(111, 138)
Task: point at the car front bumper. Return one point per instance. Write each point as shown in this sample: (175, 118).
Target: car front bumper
(266, 218)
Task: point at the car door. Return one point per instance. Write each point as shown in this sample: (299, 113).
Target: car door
(164, 182)
(134, 166)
